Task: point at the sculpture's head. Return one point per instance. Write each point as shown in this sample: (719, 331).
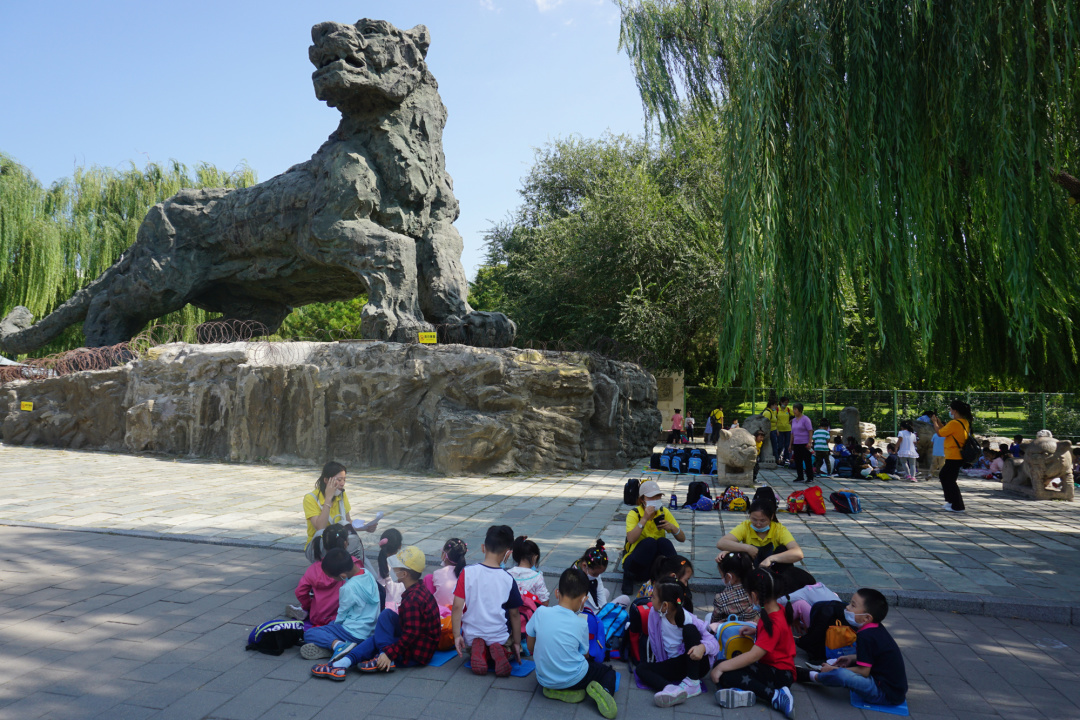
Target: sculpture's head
(1048, 457)
(736, 448)
(366, 65)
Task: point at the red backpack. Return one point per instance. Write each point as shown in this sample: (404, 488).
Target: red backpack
(796, 502)
(815, 502)
(637, 634)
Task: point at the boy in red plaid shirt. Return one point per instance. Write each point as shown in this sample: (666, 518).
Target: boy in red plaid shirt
(407, 637)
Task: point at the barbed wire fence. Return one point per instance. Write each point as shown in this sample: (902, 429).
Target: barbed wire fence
(269, 348)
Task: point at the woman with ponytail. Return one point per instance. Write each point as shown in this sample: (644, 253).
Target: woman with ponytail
(681, 644)
(328, 505)
(956, 433)
(767, 670)
(442, 582)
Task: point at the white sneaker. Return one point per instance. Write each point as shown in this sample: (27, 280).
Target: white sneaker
(947, 506)
(671, 695)
(692, 687)
(732, 698)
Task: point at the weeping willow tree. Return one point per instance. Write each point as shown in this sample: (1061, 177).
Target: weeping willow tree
(55, 240)
(906, 169)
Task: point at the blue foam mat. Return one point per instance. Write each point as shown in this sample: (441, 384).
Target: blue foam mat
(522, 669)
(441, 657)
(901, 709)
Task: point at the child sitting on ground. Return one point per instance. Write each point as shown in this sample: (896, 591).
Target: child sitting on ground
(1017, 447)
(767, 670)
(876, 671)
(733, 600)
(802, 601)
(529, 579)
(486, 598)
(594, 562)
(675, 568)
(558, 639)
(682, 647)
(358, 606)
(317, 591)
(407, 637)
(841, 457)
(442, 582)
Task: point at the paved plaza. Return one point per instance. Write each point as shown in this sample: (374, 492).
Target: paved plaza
(117, 627)
(1004, 549)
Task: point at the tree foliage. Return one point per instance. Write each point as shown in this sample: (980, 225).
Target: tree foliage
(900, 168)
(601, 254)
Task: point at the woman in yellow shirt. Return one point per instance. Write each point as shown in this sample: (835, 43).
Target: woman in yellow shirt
(955, 433)
(647, 528)
(762, 537)
(328, 505)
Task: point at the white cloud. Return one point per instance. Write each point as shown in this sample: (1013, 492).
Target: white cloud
(545, 5)
(489, 5)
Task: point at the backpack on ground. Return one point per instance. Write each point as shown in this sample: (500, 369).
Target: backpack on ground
(823, 615)
(796, 502)
(654, 461)
(698, 462)
(839, 640)
(732, 641)
(597, 651)
(630, 491)
(713, 467)
(732, 494)
(846, 502)
(815, 502)
(614, 618)
(274, 636)
(637, 632)
(678, 463)
(697, 489)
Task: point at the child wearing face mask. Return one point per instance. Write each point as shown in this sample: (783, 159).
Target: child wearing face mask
(682, 647)
(876, 671)
(593, 563)
(733, 599)
(443, 581)
(767, 670)
(558, 640)
(648, 525)
(486, 601)
(358, 608)
(675, 568)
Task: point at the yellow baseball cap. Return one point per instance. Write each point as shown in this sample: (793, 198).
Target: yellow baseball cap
(409, 557)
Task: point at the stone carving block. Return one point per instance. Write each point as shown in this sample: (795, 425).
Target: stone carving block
(759, 422)
(1045, 471)
(735, 456)
(443, 408)
(371, 212)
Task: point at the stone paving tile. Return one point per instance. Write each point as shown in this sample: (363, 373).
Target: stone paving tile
(1002, 547)
(959, 666)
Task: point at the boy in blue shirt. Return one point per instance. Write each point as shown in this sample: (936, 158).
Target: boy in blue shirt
(558, 639)
(358, 608)
(876, 671)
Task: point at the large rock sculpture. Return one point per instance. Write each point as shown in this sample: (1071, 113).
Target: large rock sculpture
(444, 408)
(754, 423)
(736, 453)
(371, 212)
(1045, 471)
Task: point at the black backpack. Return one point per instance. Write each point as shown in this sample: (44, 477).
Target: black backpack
(697, 490)
(970, 450)
(274, 636)
(630, 491)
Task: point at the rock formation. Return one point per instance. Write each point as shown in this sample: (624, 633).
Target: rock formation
(371, 212)
(450, 409)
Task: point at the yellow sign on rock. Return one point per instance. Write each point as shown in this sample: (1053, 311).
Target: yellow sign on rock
(26, 406)
(429, 338)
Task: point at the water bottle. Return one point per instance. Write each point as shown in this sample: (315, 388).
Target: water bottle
(674, 504)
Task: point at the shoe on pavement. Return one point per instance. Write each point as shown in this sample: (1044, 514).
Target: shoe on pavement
(370, 666)
(567, 696)
(339, 649)
(479, 656)
(783, 701)
(732, 698)
(949, 507)
(692, 687)
(295, 612)
(605, 703)
(329, 672)
(501, 658)
(311, 651)
(671, 695)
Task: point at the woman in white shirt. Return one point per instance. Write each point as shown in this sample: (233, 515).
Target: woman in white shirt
(908, 454)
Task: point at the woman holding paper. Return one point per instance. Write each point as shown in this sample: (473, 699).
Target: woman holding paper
(327, 505)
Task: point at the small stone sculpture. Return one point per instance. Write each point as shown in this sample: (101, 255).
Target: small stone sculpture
(1045, 471)
(759, 422)
(371, 212)
(736, 453)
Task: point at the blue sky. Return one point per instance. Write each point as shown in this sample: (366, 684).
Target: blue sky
(225, 82)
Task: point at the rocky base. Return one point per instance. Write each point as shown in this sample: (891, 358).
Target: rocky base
(445, 408)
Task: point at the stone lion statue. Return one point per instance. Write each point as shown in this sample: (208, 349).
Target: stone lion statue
(736, 448)
(1045, 471)
(371, 212)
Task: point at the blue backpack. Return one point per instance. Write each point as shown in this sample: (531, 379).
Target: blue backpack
(665, 460)
(614, 618)
(712, 471)
(696, 463)
(678, 463)
(597, 651)
(274, 636)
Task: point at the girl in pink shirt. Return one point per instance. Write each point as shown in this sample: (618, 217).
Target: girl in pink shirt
(318, 592)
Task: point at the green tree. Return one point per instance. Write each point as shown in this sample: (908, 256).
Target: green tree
(898, 180)
(602, 254)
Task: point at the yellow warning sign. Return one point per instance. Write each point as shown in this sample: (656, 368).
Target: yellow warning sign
(26, 406)
(429, 338)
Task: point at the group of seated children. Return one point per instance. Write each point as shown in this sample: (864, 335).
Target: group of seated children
(490, 608)
(990, 464)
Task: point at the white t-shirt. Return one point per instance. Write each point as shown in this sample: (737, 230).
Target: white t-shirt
(530, 580)
(601, 595)
(811, 594)
(907, 444)
(672, 636)
(488, 593)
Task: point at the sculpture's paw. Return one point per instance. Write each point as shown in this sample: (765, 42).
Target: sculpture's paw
(479, 329)
(18, 319)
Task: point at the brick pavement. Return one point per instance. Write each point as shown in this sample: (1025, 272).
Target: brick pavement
(95, 625)
(1003, 549)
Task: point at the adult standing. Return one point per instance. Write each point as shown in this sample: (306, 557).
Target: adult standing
(772, 407)
(689, 423)
(717, 417)
(955, 434)
(676, 427)
(329, 505)
(647, 528)
(783, 428)
(800, 446)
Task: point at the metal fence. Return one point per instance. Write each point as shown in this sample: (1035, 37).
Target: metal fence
(996, 413)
